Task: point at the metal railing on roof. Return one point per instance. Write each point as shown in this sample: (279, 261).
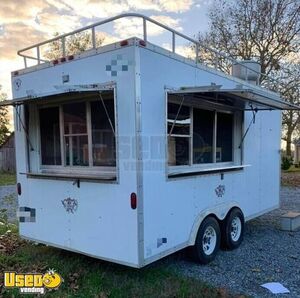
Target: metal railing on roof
(195, 44)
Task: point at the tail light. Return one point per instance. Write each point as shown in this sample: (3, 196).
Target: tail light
(19, 189)
(133, 200)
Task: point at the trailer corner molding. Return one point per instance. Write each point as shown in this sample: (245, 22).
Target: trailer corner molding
(71, 205)
(220, 191)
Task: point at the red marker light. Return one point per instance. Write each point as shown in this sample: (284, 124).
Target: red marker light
(142, 43)
(55, 62)
(70, 57)
(63, 59)
(124, 43)
(133, 200)
(19, 189)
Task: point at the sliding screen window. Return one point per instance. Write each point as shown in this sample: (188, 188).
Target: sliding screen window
(77, 135)
(202, 138)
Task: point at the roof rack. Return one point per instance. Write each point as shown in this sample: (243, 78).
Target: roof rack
(194, 44)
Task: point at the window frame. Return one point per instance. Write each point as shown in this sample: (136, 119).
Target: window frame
(237, 153)
(89, 171)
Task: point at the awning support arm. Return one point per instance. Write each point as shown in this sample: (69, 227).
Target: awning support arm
(254, 112)
(174, 122)
(24, 128)
(107, 115)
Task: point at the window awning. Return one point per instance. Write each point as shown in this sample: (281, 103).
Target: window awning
(62, 92)
(234, 99)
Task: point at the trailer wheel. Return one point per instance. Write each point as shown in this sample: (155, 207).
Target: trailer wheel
(207, 241)
(233, 229)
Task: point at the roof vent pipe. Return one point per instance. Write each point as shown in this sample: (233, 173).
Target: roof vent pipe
(247, 70)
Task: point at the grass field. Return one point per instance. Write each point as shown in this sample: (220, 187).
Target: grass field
(7, 179)
(293, 169)
(87, 277)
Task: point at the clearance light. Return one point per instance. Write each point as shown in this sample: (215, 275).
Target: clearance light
(55, 61)
(124, 43)
(63, 59)
(133, 200)
(70, 57)
(142, 43)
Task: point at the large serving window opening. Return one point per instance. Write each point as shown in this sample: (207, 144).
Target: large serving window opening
(76, 134)
(205, 126)
(202, 137)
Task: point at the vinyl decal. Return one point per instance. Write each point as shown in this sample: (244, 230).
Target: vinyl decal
(70, 205)
(117, 66)
(17, 84)
(220, 191)
(27, 214)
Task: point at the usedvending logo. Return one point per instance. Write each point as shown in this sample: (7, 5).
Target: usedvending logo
(32, 283)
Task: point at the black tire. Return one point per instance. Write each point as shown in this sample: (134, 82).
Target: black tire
(232, 236)
(198, 250)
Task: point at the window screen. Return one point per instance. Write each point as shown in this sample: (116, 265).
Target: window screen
(75, 134)
(200, 136)
(79, 133)
(50, 136)
(104, 146)
(179, 123)
(224, 150)
(203, 133)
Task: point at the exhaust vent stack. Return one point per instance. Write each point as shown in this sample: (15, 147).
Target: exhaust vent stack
(247, 70)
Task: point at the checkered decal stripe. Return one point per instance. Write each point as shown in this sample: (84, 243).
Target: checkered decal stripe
(27, 214)
(117, 65)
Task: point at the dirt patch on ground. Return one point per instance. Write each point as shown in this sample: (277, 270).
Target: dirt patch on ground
(290, 179)
(9, 242)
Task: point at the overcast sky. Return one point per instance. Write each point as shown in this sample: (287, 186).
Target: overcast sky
(25, 22)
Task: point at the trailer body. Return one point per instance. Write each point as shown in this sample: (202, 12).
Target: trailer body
(149, 202)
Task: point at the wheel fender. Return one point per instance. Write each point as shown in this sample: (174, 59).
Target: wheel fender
(220, 211)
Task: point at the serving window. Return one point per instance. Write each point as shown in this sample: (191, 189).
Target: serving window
(201, 137)
(76, 135)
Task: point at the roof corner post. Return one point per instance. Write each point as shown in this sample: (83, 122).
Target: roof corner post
(145, 29)
(63, 42)
(93, 37)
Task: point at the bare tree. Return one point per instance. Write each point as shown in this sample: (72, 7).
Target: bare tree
(75, 44)
(290, 91)
(4, 119)
(266, 30)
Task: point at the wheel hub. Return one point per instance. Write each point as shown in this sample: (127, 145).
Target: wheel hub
(236, 228)
(209, 240)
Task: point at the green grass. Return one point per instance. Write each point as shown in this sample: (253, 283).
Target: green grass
(7, 179)
(87, 277)
(292, 169)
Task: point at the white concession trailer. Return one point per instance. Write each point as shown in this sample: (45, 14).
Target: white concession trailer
(130, 152)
